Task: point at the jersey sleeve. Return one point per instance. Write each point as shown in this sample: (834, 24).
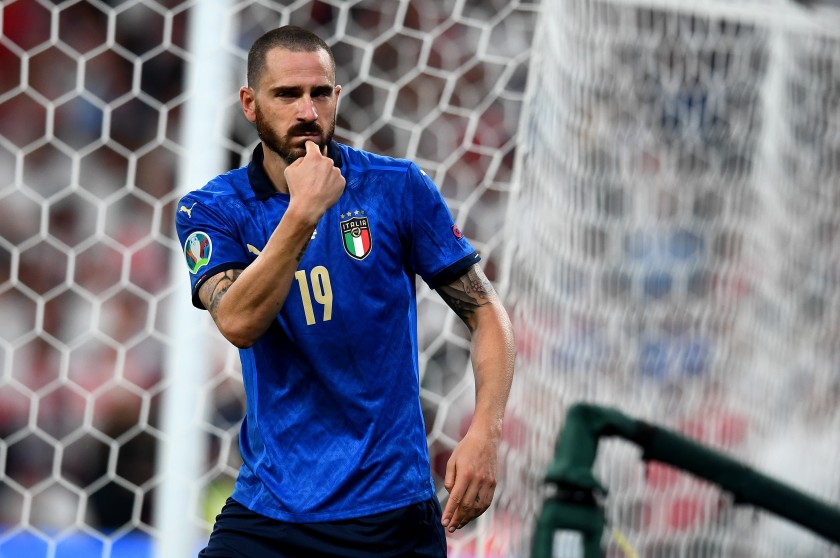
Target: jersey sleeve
(440, 253)
(209, 241)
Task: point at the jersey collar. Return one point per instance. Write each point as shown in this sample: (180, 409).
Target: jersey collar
(260, 183)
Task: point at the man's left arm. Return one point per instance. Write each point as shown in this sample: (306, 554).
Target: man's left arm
(471, 470)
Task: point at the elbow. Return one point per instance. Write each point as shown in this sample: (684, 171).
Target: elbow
(238, 333)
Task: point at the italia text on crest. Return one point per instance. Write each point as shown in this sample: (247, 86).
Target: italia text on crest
(355, 233)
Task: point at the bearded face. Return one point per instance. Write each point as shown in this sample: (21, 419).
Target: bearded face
(290, 146)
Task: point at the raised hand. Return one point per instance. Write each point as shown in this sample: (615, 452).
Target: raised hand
(314, 182)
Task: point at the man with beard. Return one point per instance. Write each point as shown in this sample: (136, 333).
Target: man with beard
(306, 259)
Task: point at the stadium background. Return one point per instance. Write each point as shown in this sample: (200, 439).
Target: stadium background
(652, 187)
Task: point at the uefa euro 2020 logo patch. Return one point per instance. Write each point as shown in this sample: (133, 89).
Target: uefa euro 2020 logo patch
(197, 249)
(356, 235)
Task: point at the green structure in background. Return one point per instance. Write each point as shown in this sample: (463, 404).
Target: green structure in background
(574, 506)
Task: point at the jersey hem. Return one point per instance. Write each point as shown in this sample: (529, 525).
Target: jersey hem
(454, 271)
(210, 273)
(289, 517)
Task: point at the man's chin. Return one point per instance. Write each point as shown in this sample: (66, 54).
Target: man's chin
(295, 147)
(289, 153)
(296, 151)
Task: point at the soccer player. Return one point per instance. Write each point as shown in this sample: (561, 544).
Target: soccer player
(306, 259)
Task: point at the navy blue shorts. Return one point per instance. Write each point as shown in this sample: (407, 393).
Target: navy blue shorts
(414, 530)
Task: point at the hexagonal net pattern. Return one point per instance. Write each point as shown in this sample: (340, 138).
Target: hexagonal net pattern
(92, 115)
(680, 172)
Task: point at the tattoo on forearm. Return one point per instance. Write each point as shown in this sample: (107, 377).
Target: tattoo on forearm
(303, 251)
(218, 290)
(471, 291)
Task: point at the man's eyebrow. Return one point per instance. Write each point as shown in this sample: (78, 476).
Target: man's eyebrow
(297, 90)
(322, 90)
(289, 89)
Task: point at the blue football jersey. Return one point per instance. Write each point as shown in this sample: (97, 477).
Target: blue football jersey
(333, 426)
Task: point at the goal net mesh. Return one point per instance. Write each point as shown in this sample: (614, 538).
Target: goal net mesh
(93, 106)
(675, 254)
(651, 190)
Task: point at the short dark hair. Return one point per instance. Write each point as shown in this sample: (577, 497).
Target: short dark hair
(289, 37)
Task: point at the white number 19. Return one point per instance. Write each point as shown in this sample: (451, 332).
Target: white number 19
(321, 291)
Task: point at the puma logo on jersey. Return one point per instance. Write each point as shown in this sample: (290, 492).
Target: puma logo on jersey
(187, 210)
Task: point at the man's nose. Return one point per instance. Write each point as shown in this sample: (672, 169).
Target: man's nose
(306, 109)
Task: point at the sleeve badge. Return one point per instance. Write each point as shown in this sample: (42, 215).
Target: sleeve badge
(197, 250)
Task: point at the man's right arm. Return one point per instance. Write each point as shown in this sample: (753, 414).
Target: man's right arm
(244, 302)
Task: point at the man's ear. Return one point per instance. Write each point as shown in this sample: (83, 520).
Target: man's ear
(337, 92)
(247, 98)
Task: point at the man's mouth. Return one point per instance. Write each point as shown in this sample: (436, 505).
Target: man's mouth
(300, 139)
(305, 132)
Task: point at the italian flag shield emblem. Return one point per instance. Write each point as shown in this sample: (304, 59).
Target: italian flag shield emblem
(356, 235)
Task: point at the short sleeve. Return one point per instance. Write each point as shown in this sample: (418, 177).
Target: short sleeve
(439, 250)
(209, 241)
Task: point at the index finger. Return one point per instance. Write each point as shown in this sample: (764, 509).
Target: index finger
(451, 513)
(311, 148)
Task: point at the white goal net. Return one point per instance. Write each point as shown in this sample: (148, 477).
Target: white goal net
(676, 255)
(652, 187)
(120, 404)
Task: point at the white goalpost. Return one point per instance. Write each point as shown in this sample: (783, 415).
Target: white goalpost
(183, 448)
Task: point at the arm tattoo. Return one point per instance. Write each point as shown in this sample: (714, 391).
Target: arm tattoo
(469, 292)
(218, 286)
(303, 251)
